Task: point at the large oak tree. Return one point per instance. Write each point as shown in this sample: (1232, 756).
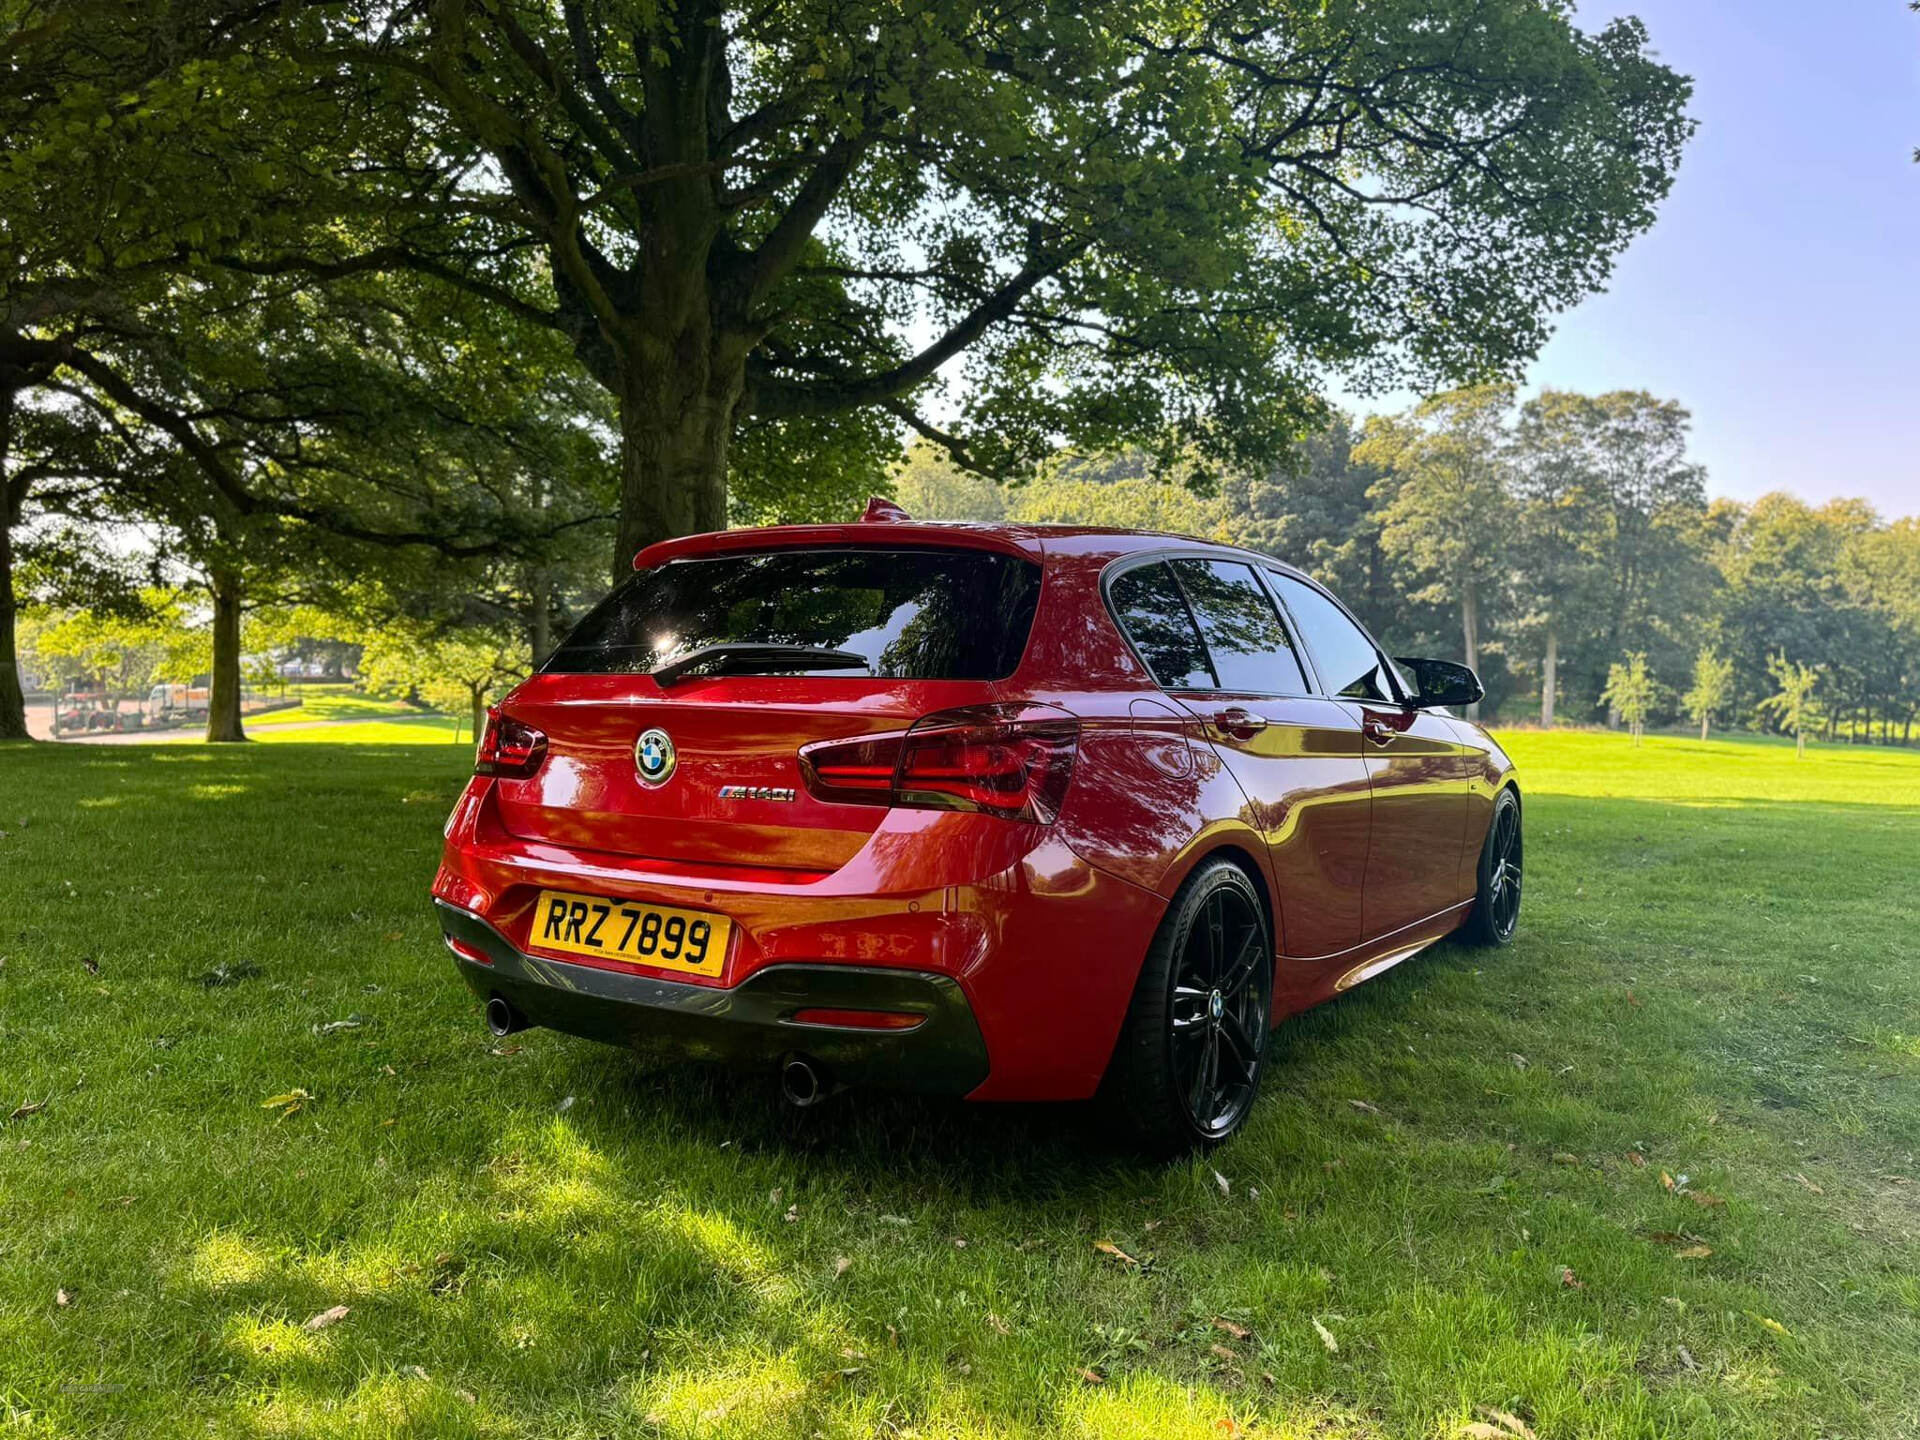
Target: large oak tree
(1119, 222)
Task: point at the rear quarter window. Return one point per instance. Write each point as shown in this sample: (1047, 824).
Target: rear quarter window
(914, 614)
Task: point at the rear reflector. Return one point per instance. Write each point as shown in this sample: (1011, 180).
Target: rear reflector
(468, 952)
(1013, 761)
(859, 1019)
(509, 747)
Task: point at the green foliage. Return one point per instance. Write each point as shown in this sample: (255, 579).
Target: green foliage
(1127, 223)
(1120, 491)
(124, 653)
(1712, 688)
(930, 486)
(452, 669)
(1449, 512)
(1632, 692)
(1793, 698)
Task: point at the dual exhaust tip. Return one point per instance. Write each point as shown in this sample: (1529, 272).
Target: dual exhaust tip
(803, 1081)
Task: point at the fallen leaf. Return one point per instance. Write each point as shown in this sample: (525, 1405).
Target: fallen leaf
(1107, 1247)
(1633, 1000)
(62, 1298)
(1226, 1185)
(1226, 1426)
(287, 1103)
(1223, 1352)
(1510, 1423)
(1693, 1252)
(27, 1108)
(997, 1325)
(1480, 1430)
(840, 1266)
(326, 1318)
(1666, 1181)
(1808, 1184)
(468, 1396)
(1326, 1338)
(1766, 1324)
(92, 965)
(1092, 1377)
(565, 1105)
(1518, 1060)
(1239, 1332)
(1706, 1199)
(1686, 1358)
(1563, 1158)
(1570, 1280)
(1363, 1105)
(1636, 1159)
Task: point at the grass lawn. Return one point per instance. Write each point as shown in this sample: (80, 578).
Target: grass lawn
(1717, 974)
(375, 718)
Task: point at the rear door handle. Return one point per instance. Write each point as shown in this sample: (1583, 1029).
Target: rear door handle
(1378, 731)
(1240, 724)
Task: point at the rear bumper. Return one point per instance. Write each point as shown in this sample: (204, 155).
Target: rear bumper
(749, 1023)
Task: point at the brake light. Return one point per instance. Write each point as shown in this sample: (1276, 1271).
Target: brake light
(1013, 761)
(509, 747)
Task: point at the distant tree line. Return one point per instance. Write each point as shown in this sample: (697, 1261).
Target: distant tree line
(1548, 544)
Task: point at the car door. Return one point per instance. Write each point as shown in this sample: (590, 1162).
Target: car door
(1213, 639)
(1416, 765)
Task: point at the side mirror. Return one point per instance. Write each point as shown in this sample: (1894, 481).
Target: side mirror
(1441, 683)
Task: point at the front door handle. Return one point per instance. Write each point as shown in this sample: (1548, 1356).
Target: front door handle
(1378, 731)
(1239, 724)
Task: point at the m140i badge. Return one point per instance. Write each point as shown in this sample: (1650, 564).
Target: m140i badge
(756, 792)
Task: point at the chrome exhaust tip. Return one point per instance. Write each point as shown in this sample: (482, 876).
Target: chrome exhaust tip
(502, 1018)
(802, 1083)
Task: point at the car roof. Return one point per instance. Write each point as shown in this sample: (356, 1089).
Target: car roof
(1101, 542)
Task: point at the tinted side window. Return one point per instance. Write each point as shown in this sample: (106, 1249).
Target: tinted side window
(1155, 617)
(1347, 662)
(1247, 642)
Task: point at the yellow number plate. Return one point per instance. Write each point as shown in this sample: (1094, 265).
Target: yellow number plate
(625, 930)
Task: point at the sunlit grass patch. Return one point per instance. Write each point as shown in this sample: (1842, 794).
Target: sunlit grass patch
(1650, 1173)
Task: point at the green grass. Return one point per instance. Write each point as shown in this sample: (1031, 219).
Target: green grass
(1716, 971)
(378, 721)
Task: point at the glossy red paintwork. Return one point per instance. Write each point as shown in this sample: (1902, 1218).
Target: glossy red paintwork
(1360, 823)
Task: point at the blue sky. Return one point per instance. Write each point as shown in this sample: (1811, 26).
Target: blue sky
(1778, 295)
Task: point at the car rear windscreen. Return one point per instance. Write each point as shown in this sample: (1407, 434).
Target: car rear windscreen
(913, 614)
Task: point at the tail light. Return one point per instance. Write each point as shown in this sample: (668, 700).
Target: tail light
(1013, 761)
(509, 747)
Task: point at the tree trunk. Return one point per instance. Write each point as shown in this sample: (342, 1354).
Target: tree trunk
(1470, 637)
(13, 704)
(223, 697)
(1549, 679)
(1799, 744)
(1705, 719)
(478, 694)
(539, 615)
(675, 426)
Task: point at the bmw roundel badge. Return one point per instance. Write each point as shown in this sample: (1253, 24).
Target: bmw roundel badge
(653, 757)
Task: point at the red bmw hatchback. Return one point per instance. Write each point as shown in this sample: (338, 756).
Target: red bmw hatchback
(1014, 813)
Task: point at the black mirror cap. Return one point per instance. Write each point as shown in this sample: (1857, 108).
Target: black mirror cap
(1440, 684)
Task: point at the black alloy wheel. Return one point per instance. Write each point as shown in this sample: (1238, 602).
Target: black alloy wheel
(1496, 901)
(1195, 1040)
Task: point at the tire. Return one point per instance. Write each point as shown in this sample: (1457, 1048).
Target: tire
(1496, 895)
(1204, 997)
